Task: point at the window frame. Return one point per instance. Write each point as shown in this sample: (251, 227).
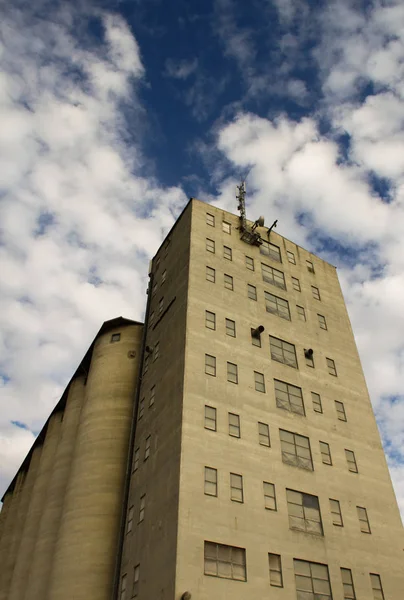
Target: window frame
(291, 257)
(297, 459)
(210, 274)
(228, 282)
(266, 435)
(281, 306)
(227, 253)
(251, 288)
(249, 263)
(322, 322)
(212, 473)
(136, 578)
(210, 245)
(340, 412)
(278, 570)
(315, 293)
(141, 408)
(296, 284)
(332, 369)
(152, 397)
(210, 219)
(122, 592)
(226, 227)
(136, 459)
(273, 356)
(211, 366)
(258, 382)
(303, 520)
(302, 313)
(209, 313)
(311, 565)
(115, 337)
(326, 458)
(129, 520)
(234, 426)
(376, 589)
(316, 401)
(240, 488)
(288, 404)
(147, 448)
(232, 375)
(310, 266)
(208, 418)
(271, 250)
(211, 554)
(273, 276)
(361, 510)
(142, 508)
(348, 595)
(351, 462)
(268, 486)
(230, 327)
(337, 521)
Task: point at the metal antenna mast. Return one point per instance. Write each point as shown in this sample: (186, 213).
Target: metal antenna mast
(248, 235)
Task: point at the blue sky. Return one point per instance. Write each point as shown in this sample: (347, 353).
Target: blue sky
(114, 113)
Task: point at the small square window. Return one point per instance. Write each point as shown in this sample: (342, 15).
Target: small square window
(210, 365)
(115, 337)
(331, 367)
(228, 282)
(210, 320)
(249, 263)
(275, 570)
(236, 488)
(210, 274)
(291, 257)
(210, 245)
(210, 220)
(234, 425)
(317, 406)
(259, 382)
(325, 453)
(232, 373)
(316, 292)
(230, 328)
(310, 266)
(210, 481)
(269, 496)
(339, 406)
(251, 291)
(301, 313)
(210, 418)
(263, 434)
(296, 284)
(227, 253)
(226, 227)
(322, 322)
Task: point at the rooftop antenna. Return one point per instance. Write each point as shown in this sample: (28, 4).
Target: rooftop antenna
(248, 235)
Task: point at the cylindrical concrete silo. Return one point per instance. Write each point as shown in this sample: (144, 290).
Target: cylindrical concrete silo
(86, 548)
(7, 555)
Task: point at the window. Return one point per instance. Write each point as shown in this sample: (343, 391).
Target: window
(277, 306)
(289, 397)
(226, 227)
(317, 407)
(142, 507)
(210, 245)
(210, 481)
(295, 450)
(236, 488)
(130, 520)
(210, 274)
(255, 339)
(350, 458)
(147, 447)
(331, 367)
(304, 512)
(228, 282)
(259, 382)
(249, 263)
(156, 351)
(230, 328)
(141, 408)
(122, 594)
(227, 253)
(316, 292)
(146, 364)
(136, 459)
(308, 357)
(336, 513)
(136, 573)
(283, 352)
(210, 418)
(232, 374)
(210, 219)
(269, 496)
(325, 453)
(312, 580)
(291, 257)
(157, 264)
(161, 305)
(347, 582)
(310, 266)
(339, 406)
(234, 425)
(152, 395)
(225, 561)
(363, 519)
(210, 320)
(154, 290)
(210, 365)
(251, 291)
(163, 276)
(115, 337)
(273, 276)
(296, 284)
(376, 586)
(322, 322)
(263, 434)
(275, 570)
(301, 313)
(271, 250)
(151, 319)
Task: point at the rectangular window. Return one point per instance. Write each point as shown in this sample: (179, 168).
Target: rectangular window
(312, 580)
(259, 382)
(230, 328)
(122, 594)
(347, 582)
(376, 586)
(331, 367)
(210, 274)
(156, 351)
(263, 434)
(317, 406)
(236, 488)
(141, 409)
(152, 395)
(210, 245)
(304, 512)
(316, 292)
(163, 276)
(289, 397)
(228, 282)
(210, 481)
(129, 523)
(351, 460)
(210, 365)
(234, 425)
(275, 570)
(227, 253)
(147, 447)
(296, 284)
(154, 290)
(151, 319)
(146, 364)
(363, 519)
(210, 418)
(210, 219)
(283, 352)
(339, 406)
(115, 337)
(269, 496)
(136, 459)
(251, 291)
(273, 276)
(249, 263)
(274, 252)
(308, 357)
(161, 305)
(255, 338)
(142, 507)
(295, 450)
(322, 322)
(210, 320)
(325, 453)
(277, 306)
(225, 561)
(232, 374)
(310, 266)
(301, 313)
(136, 573)
(336, 513)
(291, 257)
(226, 227)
